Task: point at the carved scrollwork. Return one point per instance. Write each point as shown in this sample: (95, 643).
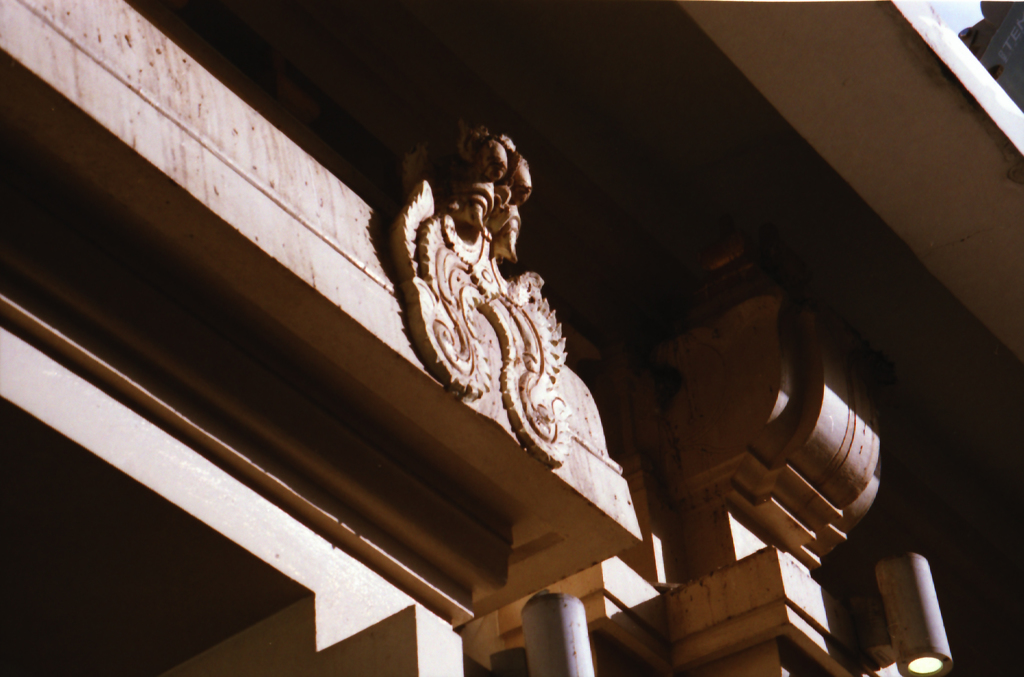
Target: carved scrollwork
(437, 283)
(448, 254)
(533, 352)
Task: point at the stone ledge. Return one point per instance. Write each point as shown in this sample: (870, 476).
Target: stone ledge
(766, 595)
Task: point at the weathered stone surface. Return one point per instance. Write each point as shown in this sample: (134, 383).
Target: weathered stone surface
(761, 597)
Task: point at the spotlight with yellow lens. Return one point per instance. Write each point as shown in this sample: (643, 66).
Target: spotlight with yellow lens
(912, 614)
(927, 665)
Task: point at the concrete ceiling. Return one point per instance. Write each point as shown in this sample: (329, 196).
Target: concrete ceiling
(875, 101)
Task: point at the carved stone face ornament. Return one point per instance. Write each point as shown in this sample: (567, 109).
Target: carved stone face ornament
(505, 224)
(492, 160)
(448, 260)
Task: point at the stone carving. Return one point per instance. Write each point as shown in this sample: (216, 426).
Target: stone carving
(774, 415)
(761, 409)
(460, 221)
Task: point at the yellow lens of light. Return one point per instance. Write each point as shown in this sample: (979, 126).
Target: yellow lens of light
(925, 666)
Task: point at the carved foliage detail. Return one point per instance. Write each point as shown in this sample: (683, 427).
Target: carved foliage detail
(447, 253)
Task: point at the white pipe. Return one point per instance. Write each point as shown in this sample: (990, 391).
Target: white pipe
(555, 632)
(912, 612)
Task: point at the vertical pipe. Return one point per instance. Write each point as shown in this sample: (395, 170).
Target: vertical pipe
(555, 632)
(912, 612)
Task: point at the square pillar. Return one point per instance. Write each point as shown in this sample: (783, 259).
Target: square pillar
(411, 643)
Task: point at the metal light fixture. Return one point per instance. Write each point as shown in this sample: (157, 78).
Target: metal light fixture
(913, 617)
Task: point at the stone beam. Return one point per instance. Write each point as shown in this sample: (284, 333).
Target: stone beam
(761, 597)
(202, 178)
(349, 596)
(411, 643)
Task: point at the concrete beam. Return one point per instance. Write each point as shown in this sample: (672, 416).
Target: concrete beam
(411, 643)
(349, 596)
(763, 596)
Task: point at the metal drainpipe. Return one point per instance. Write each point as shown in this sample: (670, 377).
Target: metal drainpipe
(555, 632)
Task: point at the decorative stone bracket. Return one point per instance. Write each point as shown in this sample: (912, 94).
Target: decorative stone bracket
(774, 416)
(460, 221)
(760, 410)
